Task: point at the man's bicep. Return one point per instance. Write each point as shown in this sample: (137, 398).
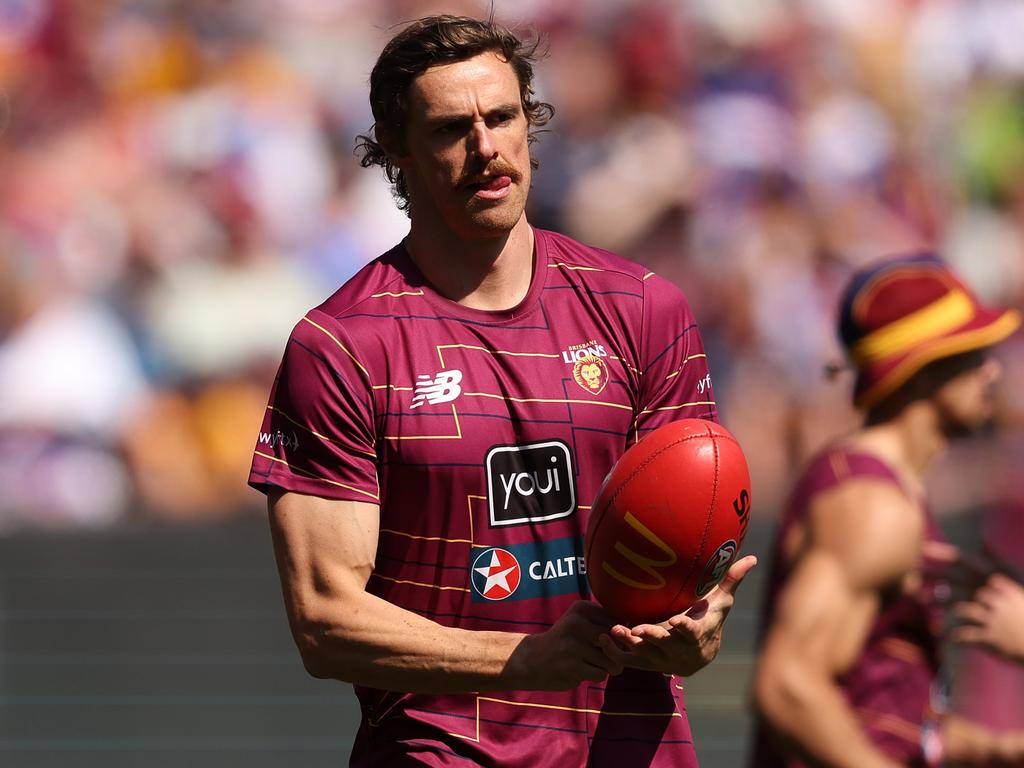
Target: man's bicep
(325, 548)
(872, 529)
(822, 617)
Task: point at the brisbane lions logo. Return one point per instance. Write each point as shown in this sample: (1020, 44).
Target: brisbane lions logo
(591, 373)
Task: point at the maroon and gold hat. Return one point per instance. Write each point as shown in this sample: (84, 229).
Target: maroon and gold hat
(900, 314)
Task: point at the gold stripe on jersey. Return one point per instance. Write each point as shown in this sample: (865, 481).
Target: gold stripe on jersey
(533, 705)
(313, 432)
(469, 505)
(490, 351)
(393, 532)
(902, 650)
(688, 359)
(476, 737)
(510, 399)
(343, 348)
(840, 466)
(399, 295)
(892, 724)
(456, 436)
(574, 267)
(627, 365)
(676, 407)
(373, 496)
(392, 386)
(442, 587)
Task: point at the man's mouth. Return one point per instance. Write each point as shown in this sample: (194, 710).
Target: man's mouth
(491, 188)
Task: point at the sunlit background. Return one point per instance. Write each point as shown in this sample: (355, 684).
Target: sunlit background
(178, 185)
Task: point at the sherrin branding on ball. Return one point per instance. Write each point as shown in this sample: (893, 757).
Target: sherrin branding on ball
(668, 521)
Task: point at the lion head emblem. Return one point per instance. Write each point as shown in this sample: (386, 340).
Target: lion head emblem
(591, 373)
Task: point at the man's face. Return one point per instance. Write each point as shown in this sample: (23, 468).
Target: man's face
(966, 401)
(465, 154)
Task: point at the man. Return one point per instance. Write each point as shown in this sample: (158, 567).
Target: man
(851, 650)
(432, 445)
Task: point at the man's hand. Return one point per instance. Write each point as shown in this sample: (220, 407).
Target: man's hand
(565, 655)
(969, 745)
(994, 618)
(685, 643)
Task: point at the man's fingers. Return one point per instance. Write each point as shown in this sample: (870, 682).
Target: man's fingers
(605, 656)
(624, 637)
(1002, 583)
(649, 632)
(735, 575)
(684, 624)
(970, 612)
(968, 634)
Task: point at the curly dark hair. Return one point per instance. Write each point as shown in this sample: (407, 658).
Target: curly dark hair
(425, 43)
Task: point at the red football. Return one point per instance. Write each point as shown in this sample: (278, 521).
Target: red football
(668, 521)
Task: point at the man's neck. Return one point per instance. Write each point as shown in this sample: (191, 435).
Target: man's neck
(486, 273)
(910, 442)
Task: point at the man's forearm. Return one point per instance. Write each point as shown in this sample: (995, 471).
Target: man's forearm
(813, 718)
(368, 641)
(970, 745)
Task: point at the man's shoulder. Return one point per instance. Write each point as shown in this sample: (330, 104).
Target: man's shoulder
(579, 261)
(378, 281)
(567, 253)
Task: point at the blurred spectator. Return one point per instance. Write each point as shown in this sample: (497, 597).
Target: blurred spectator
(179, 183)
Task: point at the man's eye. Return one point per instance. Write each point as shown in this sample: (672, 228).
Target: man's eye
(453, 127)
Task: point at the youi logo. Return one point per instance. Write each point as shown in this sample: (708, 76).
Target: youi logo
(530, 483)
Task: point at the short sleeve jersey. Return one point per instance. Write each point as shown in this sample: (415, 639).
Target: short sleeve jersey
(484, 437)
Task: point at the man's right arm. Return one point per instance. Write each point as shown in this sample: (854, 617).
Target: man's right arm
(862, 537)
(325, 551)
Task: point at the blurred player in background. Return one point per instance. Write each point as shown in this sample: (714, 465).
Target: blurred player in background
(438, 427)
(851, 646)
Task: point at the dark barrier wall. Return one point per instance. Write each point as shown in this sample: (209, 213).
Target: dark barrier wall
(167, 646)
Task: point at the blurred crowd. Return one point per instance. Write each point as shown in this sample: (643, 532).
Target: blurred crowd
(178, 186)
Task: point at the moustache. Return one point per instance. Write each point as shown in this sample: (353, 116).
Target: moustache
(492, 170)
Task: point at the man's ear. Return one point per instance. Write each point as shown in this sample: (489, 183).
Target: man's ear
(393, 144)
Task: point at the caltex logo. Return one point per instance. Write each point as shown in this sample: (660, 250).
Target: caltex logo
(495, 574)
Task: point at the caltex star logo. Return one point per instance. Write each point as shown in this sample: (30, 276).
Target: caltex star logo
(495, 573)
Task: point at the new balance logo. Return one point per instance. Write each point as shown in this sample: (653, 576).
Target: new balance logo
(442, 388)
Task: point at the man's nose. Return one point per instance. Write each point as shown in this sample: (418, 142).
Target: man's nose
(482, 142)
(992, 369)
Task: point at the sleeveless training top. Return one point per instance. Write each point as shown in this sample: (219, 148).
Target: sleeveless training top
(889, 686)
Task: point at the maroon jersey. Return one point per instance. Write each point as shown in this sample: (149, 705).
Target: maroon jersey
(889, 687)
(484, 436)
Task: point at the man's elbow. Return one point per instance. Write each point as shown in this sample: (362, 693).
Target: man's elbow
(319, 659)
(780, 692)
(315, 664)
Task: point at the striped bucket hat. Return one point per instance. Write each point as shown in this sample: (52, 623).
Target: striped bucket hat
(900, 314)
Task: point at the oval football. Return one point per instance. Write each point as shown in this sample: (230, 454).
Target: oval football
(668, 521)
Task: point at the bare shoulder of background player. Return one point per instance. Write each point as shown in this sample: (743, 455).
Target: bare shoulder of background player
(871, 527)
